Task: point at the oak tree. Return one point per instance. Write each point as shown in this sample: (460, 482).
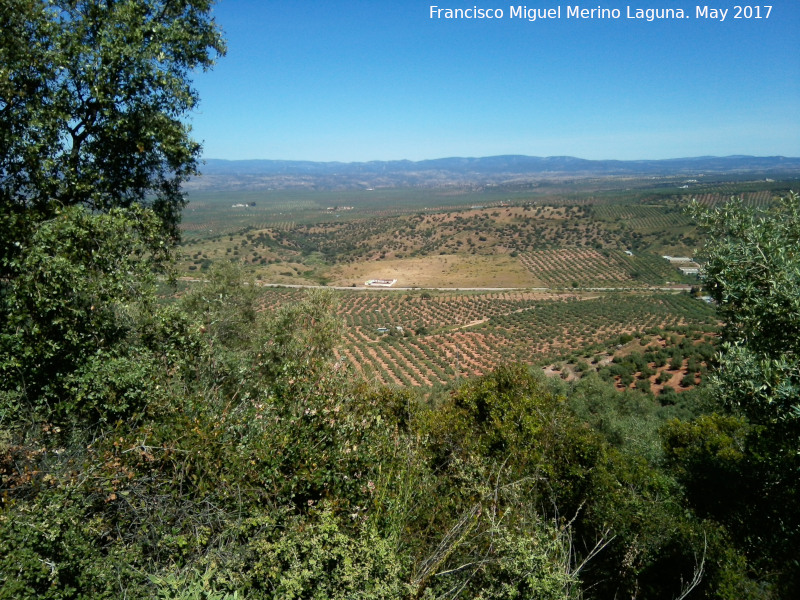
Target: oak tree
(94, 147)
(93, 99)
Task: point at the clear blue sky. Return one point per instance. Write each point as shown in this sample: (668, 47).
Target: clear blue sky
(382, 80)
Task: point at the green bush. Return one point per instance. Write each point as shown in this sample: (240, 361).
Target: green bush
(60, 547)
(71, 313)
(321, 556)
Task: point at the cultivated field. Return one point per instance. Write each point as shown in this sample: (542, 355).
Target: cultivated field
(448, 238)
(583, 265)
(425, 338)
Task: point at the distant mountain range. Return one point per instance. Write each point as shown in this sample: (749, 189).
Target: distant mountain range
(491, 170)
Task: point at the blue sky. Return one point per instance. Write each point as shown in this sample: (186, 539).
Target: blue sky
(382, 80)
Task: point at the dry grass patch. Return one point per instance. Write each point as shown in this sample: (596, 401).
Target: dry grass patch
(451, 271)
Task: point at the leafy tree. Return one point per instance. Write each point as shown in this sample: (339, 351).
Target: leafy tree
(707, 455)
(92, 93)
(225, 305)
(753, 273)
(298, 343)
(70, 312)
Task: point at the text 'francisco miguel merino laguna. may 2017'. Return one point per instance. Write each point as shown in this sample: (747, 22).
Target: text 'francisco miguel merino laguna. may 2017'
(576, 11)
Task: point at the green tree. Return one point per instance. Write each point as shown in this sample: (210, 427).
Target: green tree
(753, 272)
(298, 343)
(66, 348)
(225, 304)
(92, 95)
(93, 150)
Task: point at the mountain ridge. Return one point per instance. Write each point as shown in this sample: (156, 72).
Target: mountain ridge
(489, 170)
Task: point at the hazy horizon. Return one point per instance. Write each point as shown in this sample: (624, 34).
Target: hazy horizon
(465, 157)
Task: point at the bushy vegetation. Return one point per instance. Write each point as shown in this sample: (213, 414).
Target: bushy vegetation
(204, 447)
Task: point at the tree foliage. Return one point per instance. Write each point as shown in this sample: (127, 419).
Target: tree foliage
(70, 311)
(753, 273)
(92, 99)
(93, 151)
